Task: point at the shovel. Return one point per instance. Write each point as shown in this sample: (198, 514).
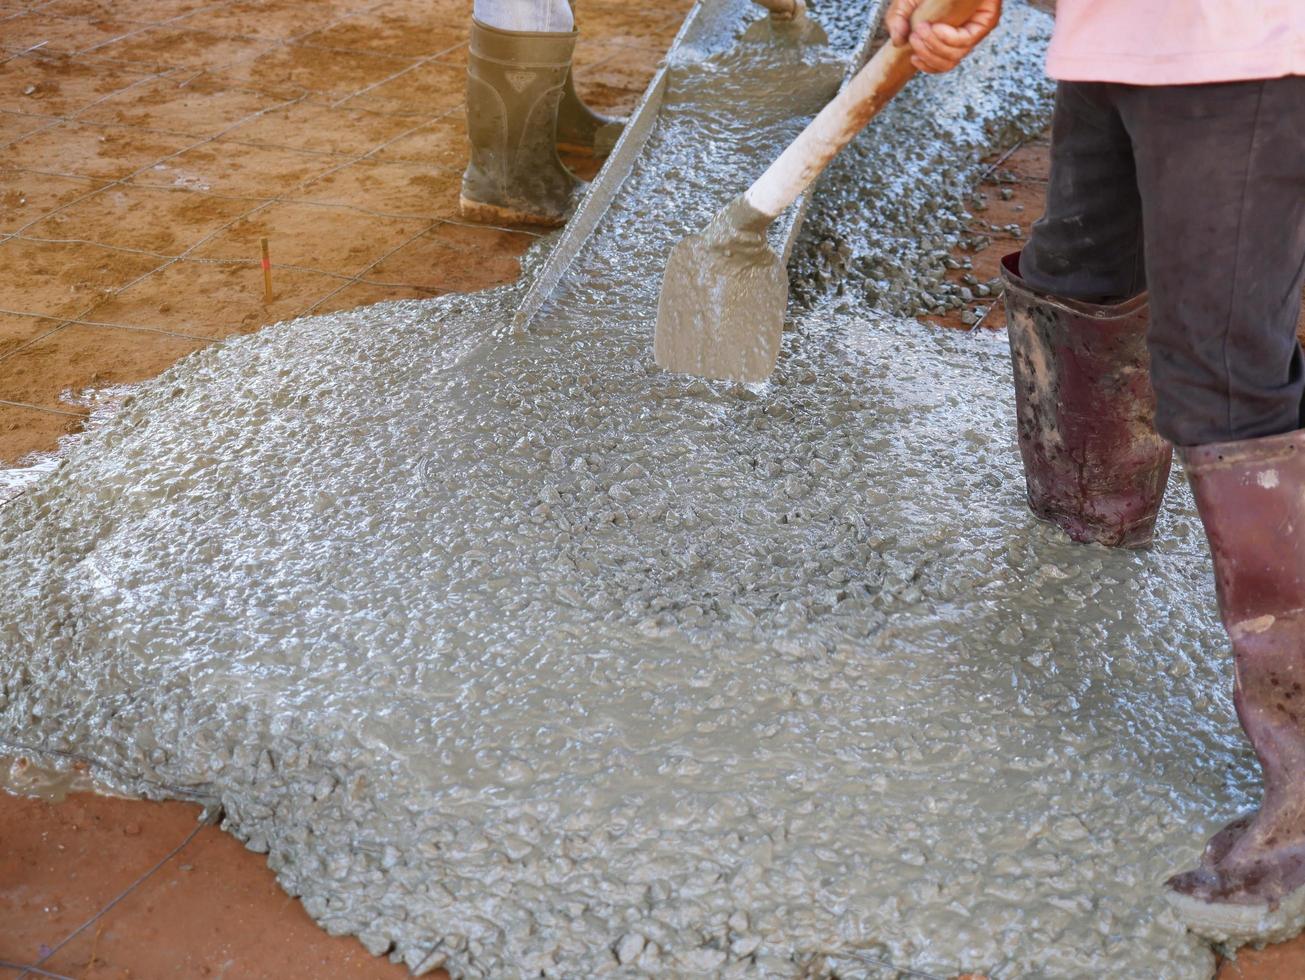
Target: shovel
(721, 311)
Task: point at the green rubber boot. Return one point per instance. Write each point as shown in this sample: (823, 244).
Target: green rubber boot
(515, 82)
(582, 130)
(579, 128)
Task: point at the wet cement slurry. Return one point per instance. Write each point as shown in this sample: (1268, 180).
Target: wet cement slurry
(517, 655)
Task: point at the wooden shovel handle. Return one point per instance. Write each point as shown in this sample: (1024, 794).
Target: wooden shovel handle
(848, 113)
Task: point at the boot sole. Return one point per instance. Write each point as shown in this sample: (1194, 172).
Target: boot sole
(1237, 925)
(493, 214)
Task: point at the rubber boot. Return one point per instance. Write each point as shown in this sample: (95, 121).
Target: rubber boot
(1093, 462)
(1251, 497)
(515, 80)
(582, 130)
(579, 128)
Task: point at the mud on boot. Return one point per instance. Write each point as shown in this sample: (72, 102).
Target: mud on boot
(515, 82)
(582, 130)
(1093, 462)
(1250, 884)
(579, 128)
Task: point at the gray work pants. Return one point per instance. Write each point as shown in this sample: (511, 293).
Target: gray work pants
(1197, 193)
(550, 16)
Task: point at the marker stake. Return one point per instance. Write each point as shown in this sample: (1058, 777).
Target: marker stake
(267, 272)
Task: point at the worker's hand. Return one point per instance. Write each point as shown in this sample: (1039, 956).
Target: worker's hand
(939, 47)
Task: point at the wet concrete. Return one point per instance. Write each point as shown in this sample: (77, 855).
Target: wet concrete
(517, 655)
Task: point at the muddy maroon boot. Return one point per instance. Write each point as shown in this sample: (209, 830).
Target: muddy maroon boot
(1251, 497)
(1093, 462)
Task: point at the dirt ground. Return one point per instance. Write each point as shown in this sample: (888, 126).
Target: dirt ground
(211, 910)
(147, 145)
(145, 148)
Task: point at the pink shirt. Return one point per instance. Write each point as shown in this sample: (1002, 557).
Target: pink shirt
(1177, 42)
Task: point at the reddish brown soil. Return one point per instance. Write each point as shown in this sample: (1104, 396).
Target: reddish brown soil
(145, 147)
(212, 910)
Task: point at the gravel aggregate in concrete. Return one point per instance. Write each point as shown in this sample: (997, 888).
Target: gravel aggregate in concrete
(519, 657)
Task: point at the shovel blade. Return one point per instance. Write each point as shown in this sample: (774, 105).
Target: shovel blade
(721, 311)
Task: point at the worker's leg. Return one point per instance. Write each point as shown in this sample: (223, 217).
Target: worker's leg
(516, 77)
(1093, 464)
(1222, 174)
(1221, 170)
(579, 128)
(1251, 497)
(545, 16)
(1088, 244)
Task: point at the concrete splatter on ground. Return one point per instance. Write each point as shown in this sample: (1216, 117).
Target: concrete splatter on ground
(516, 655)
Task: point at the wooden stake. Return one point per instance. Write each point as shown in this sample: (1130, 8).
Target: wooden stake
(267, 272)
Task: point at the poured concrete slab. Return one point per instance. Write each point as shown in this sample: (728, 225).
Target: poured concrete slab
(518, 656)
